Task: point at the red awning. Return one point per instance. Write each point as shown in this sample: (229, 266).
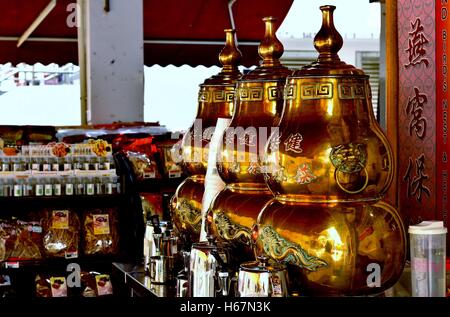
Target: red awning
(175, 31)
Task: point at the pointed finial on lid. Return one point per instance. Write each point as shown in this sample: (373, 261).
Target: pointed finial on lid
(270, 48)
(230, 56)
(328, 41)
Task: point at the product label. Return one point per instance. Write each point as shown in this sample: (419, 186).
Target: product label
(71, 254)
(104, 286)
(35, 167)
(12, 265)
(174, 174)
(60, 219)
(58, 286)
(55, 167)
(67, 167)
(101, 224)
(46, 167)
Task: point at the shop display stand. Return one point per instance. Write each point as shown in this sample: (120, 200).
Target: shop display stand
(23, 273)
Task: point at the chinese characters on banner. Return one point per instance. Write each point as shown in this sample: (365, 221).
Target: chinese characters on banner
(415, 108)
(422, 27)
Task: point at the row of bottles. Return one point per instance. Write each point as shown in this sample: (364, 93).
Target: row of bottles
(59, 186)
(55, 164)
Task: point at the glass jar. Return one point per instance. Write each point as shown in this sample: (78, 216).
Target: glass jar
(90, 186)
(80, 188)
(18, 186)
(48, 187)
(69, 186)
(57, 186)
(39, 187)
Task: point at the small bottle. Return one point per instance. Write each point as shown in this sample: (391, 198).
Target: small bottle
(27, 187)
(90, 187)
(118, 184)
(5, 165)
(48, 187)
(99, 186)
(67, 164)
(39, 187)
(55, 164)
(46, 165)
(86, 164)
(80, 186)
(57, 187)
(68, 186)
(109, 186)
(18, 188)
(107, 164)
(35, 164)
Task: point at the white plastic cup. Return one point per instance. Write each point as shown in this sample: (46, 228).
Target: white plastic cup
(428, 249)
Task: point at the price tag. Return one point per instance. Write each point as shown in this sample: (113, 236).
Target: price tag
(12, 265)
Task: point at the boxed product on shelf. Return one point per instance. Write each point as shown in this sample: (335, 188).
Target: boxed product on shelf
(61, 234)
(100, 231)
(51, 286)
(171, 166)
(96, 284)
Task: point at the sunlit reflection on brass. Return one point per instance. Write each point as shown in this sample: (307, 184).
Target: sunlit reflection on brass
(332, 249)
(329, 167)
(215, 100)
(259, 104)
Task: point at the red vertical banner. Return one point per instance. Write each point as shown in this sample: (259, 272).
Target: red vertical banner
(417, 110)
(423, 109)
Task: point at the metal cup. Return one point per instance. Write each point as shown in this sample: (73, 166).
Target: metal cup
(262, 279)
(161, 268)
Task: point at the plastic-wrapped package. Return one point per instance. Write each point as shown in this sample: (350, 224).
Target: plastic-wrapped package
(143, 166)
(8, 237)
(61, 234)
(100, 232)
(29, 241)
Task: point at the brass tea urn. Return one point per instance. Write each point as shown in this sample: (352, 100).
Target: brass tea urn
(259, 104)
(329, 166)
(216, 100)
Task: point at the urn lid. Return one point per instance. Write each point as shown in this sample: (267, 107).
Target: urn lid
(328, 42)
(229, 57)
(270, 50)
(263, 266)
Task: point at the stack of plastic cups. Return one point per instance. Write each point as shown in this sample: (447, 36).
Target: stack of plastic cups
(428, 250)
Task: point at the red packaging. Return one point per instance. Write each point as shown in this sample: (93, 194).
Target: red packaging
(423, 145)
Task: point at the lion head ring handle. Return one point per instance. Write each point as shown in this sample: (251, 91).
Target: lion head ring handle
(349, 159)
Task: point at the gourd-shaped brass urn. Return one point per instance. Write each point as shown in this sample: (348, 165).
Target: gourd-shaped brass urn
(259, 104)
(215, 100)
(328, 166)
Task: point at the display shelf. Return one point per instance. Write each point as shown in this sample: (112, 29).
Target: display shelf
(57, 263)
(138, 284)
(50, 200)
